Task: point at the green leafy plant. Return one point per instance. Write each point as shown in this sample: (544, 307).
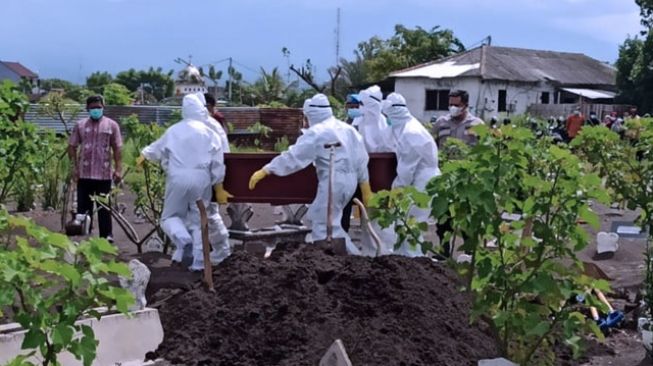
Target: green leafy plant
(19, 148)
(522, 283)
(147, 183)
(56, 106)
(260, 129)
(47, 283)
(13, 102)
(282, 144)
(392, 209)
(626, 164)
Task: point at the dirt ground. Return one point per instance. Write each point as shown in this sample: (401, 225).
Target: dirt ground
(626, 270)
(289, 308)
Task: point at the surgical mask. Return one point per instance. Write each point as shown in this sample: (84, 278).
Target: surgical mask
(96, 113)
(455, 111)
(388, 121)
(354, 113)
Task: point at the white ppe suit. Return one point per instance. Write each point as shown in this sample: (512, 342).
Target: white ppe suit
(349, 165)
(417, 156)
(216, 127)
(191, 155)
(372, 126)
(377, 136)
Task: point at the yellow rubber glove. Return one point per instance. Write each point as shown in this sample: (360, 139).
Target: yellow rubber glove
(139, 161)
(256, 177)
(222, 196)
(366, 191)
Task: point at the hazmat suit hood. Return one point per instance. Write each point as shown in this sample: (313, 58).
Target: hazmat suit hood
(394, 107)
(192, 108)
(202, 98)
(317, 109)
(372, 99)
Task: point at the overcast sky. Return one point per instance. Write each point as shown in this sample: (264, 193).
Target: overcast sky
(69, 39)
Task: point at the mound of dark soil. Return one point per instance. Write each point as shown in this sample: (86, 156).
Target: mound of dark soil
(288, 309)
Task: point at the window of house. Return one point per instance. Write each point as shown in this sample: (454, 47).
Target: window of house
(503, 101)
(544, 99)
(437, 100)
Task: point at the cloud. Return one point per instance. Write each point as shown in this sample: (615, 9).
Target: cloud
(611, 28)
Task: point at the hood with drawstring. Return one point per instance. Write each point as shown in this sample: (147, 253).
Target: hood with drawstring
(317, 109)
(394, 107)
(192, 108)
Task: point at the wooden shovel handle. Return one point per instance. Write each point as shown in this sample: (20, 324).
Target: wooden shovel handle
(376, 238)
(601, 297)
(206, 247)
(594, 312)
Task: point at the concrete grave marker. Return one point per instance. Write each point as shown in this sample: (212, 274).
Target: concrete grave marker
(496, 362)
(137, 284)
(336, 355)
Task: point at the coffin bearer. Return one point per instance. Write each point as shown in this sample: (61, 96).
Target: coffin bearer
(191, 155)
(350, 166)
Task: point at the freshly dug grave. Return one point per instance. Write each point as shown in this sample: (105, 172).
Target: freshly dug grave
(288, 309)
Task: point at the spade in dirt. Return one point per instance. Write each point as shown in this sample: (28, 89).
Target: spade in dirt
(338, 245)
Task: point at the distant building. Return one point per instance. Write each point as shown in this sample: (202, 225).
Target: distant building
(189, 80)
(505, 80)
(16, 72)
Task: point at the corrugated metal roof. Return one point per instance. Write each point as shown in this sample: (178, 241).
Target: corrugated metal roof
(19, 69)
(525, 65)
(591, 94)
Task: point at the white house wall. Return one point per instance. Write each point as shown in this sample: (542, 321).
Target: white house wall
(483, 97)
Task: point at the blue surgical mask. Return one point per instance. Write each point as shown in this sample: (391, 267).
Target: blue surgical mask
(354, 113)
(96, 113)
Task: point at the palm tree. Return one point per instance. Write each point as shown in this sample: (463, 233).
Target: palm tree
(270, 87)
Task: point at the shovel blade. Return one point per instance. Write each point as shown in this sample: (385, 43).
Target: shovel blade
(336, 246)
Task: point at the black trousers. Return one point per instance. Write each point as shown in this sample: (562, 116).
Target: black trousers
(442, 229)
(346, 212)
(92, 187)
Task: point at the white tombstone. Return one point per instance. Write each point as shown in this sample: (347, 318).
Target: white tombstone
(464, 258)
(496, 362)
(607, 242)
(137, 284)
(153, 244)
(336, 355)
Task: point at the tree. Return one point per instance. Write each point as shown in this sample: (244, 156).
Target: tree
(270, 87)
(71, 91)
(214, 75)
(98, 80)
(117, 94)
(235, 84)
(79, 94)
(49, 84)
(635, 64)
(305, 73)
(406, 48)
(646, 11)
(154, 81)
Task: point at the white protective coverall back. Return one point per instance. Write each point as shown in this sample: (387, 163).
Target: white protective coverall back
(349, 165)
(417, 156)
(216, 127)
(191, 155)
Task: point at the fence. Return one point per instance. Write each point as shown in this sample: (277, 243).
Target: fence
(282, 121)
(556, 110)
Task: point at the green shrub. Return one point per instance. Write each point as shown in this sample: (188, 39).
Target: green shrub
(48, 282)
